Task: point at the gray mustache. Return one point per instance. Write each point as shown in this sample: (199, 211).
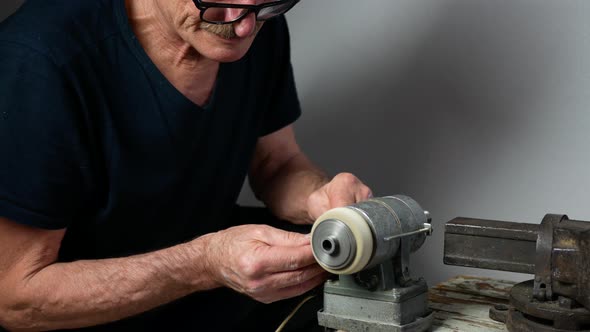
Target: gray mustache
(226, 31)
(223, 30)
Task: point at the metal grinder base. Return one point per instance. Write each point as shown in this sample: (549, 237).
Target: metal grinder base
(348, 308)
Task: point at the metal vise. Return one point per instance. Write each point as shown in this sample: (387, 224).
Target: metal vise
(368, 245)
(557, 252)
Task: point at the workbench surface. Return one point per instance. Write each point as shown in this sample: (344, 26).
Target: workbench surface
(462, 303)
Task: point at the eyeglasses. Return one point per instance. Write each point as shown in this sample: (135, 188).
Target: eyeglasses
(225, 11)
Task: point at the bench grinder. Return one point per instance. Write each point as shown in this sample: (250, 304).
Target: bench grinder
(368, 246)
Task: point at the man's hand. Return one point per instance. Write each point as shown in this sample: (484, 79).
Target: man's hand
(262, 262)
(344, 189)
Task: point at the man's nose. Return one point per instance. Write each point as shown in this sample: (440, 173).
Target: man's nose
(246, 26)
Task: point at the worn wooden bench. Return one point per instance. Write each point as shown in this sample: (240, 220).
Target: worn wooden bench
(462, 303)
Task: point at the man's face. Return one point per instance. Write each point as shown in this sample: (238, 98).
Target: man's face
(222, 43)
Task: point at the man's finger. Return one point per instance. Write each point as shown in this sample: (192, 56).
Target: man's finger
(296, 290)
(292, 278)
(342, 197)
(279, 259)
(363, 193)
(277, 237)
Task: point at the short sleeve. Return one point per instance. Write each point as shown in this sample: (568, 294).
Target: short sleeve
(284, 103)
(41, 182)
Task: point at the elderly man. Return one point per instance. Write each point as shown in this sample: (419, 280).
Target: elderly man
(127, 129)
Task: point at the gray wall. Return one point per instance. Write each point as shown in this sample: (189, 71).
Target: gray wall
(474, 108)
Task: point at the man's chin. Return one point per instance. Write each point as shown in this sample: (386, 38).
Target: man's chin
(227, 50)
(226, 54)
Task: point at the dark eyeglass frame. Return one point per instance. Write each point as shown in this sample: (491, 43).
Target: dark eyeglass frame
(204, 5)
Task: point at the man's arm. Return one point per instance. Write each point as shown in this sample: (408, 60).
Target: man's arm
(38, 293)
(292, 187)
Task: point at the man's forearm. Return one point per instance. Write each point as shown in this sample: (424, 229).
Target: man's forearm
(293, 182)
(85, 293)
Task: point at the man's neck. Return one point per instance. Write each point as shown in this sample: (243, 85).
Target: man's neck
(191, 73)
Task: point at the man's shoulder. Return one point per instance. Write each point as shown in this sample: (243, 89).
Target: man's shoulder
(58, 29)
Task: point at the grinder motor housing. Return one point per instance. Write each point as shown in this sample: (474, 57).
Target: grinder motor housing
(368, 245)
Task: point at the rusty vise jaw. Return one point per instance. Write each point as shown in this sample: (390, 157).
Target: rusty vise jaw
(557, 252)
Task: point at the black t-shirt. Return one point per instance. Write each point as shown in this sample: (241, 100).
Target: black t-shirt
(94, 139)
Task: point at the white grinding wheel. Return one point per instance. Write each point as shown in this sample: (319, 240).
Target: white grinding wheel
(362, 235)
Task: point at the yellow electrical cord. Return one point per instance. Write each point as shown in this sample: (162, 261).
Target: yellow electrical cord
(284, 323)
